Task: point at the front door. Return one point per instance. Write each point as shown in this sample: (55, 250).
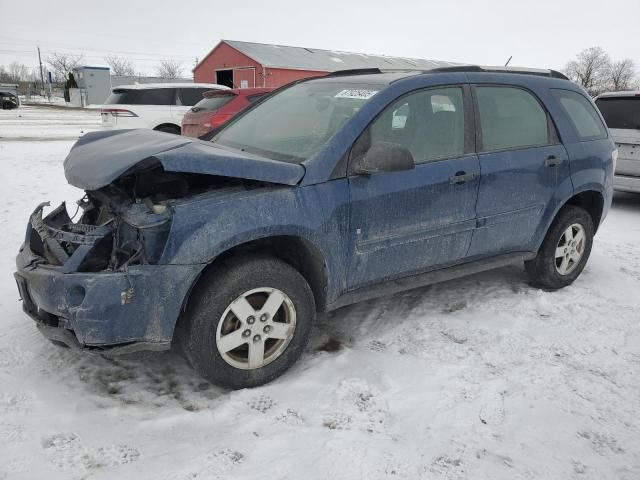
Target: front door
(416, 220)
(522, 165)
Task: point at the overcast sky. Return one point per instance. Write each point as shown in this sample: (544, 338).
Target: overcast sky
(538, 33)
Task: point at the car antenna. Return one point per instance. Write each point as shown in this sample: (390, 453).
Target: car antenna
(506, 64)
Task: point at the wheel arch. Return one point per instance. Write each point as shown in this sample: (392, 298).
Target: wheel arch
(590, 200)
(295, 250)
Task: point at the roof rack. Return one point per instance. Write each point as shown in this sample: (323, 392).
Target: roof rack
(454, 69)
(477, 68)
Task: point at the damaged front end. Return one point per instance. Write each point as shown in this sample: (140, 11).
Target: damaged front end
(107, 278)
(99, 282)
(111, 234)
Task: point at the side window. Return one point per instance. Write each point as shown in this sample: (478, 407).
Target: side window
(582, 114)
(155, 96)
(429, 123)
(191, 96)
(511, 118)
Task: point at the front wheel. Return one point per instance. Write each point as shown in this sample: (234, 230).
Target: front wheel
(564, 251)
(247, 322)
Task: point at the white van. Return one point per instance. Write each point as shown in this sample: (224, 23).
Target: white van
(621, 111)
(159, 106)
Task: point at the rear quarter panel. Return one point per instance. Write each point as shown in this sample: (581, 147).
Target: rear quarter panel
(591, 161)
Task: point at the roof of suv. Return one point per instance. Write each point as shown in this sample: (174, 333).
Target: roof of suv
(143, 86)
(383, 77)
(390, 74)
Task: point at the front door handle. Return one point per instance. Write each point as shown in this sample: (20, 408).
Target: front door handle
(462, 177)
(552, 161)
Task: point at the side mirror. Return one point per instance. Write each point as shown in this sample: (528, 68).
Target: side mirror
(385, 157)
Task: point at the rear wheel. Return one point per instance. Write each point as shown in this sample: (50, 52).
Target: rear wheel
(564, 251)
(247, 322)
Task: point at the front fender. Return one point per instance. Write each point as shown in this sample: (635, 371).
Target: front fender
(203, 228)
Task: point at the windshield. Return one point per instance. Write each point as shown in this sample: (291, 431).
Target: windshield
(620, 112)
(294, 124)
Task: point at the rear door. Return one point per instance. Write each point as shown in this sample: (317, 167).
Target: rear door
(151, 106)
(416, 220)
(522, 163)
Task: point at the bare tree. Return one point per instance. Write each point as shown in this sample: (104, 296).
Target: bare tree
(590, 69)
(622, 75)
(169, 68)
(120, 66)
(18, 72)
(63, 63)
(4, 76)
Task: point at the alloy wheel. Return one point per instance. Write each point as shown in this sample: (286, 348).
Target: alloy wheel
(256, 328)
(570, 249)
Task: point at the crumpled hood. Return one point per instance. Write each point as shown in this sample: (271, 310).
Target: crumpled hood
(99, 158)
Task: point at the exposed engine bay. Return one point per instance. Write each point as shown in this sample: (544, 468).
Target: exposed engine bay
(124, 223)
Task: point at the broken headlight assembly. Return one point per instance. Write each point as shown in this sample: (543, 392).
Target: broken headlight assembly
(112, 234)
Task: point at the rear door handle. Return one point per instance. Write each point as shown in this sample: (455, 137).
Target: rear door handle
(552, 161)
(462, 177)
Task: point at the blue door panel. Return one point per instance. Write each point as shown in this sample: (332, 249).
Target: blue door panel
(411, 221)
(517, 189)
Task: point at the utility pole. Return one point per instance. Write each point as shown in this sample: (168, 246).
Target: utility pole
(41, 73)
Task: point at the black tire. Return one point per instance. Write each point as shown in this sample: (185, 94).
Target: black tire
(542, 270)
(196, 333)
(169, 129)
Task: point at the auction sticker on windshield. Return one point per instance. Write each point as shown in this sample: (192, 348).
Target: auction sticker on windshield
(356, 93)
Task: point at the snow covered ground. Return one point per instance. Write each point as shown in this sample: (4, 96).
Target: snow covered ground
(480, 378)
(36, 123)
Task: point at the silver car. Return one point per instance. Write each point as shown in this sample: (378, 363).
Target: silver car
(621, 111)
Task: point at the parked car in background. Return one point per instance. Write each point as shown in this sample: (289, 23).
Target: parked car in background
(621, 111)
(9, 101)
(330, 191)
(217, 107)
(158, 106)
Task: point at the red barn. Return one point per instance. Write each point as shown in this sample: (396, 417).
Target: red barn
(246, 64)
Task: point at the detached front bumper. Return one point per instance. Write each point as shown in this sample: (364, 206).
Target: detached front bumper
(119, 312)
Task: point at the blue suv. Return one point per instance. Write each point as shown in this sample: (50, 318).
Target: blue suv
(330, 191)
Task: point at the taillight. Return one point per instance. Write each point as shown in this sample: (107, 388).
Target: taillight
(118, 112)
(217, 119)
(614, 157)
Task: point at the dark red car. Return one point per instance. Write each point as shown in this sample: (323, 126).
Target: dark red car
(217, 107)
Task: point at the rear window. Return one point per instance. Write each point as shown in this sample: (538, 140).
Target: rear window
(147, 96)
(583, 115)
(191, 96)
(213, 103)
(620, 112)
